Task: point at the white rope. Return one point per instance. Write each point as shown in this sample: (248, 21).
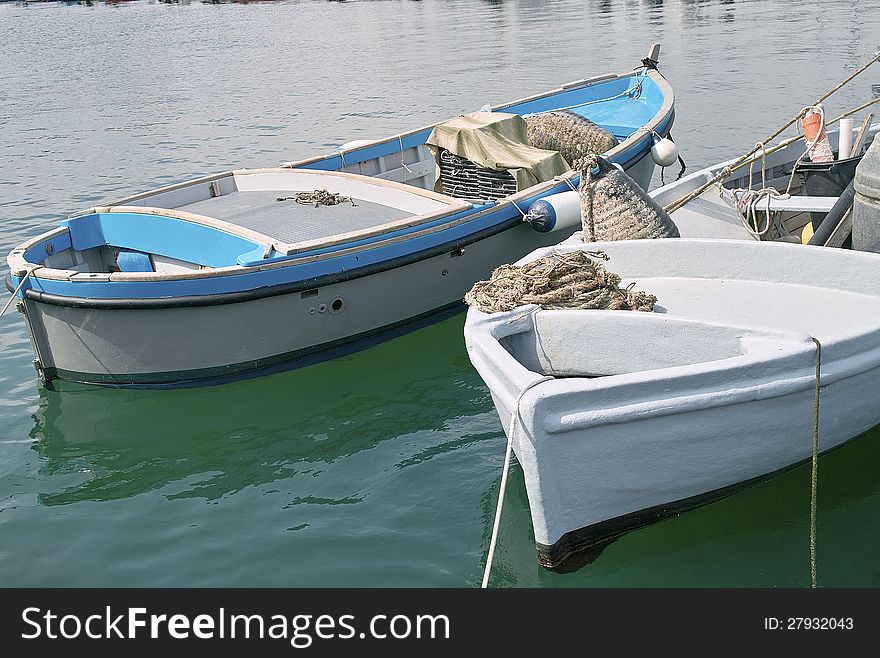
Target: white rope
(814, 471)
(746, 207)
(791, 140)
(15, 292)
(402, 163)
(746, 200)
(510, 434)
(642, 129)
(634, 92)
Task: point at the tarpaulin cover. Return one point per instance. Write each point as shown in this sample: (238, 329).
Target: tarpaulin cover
(499, 141)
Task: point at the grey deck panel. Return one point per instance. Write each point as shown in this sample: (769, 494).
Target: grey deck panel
(289, 221)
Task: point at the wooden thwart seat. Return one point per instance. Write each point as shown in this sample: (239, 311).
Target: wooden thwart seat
(798, 204)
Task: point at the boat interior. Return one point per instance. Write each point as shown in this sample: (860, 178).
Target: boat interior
(385, 188)
(542, 349)
(710, 309)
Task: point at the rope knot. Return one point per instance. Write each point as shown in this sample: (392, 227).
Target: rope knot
(589, 166)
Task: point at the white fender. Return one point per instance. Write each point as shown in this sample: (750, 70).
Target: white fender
(556, 212)
(664, 152)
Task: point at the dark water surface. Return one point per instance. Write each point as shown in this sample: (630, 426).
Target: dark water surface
(379, 468)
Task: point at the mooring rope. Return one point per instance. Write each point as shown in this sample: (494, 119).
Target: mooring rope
(721, 175)
(588, 166)
(792, 140)
(814, 472)
(748, 199)
(747, 208)
(317, 198)
(402, 163)
(524, 215)
(493, 542)
(15, 292)
(568, 182)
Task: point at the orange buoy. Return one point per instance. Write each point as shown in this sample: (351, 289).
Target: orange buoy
(817, 139)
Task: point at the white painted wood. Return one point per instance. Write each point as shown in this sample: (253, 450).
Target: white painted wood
(798, 204)
(386, 193)
(172, 265)
(713, 388)
(414, 171)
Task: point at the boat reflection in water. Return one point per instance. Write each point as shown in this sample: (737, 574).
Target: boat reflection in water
(293, 426)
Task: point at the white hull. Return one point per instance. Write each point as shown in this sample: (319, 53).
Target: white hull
(652, 413)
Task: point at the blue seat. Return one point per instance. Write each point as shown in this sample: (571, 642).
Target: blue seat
(133, 261)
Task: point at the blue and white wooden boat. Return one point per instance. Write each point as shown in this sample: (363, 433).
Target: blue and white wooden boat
(214, 278)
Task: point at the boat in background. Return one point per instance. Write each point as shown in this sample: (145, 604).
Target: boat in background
(800, 196)
(807, 193)
(247, 272)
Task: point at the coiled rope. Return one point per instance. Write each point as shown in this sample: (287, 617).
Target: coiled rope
(318, 198)
(747, 199)
(558, 281)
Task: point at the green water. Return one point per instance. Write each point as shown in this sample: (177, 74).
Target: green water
(376, 469)
(379, 468)
(335, 474)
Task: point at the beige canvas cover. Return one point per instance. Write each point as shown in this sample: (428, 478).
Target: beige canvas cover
(497, 140)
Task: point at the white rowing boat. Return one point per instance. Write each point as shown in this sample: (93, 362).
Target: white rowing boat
(624, 417)
(621, 418)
